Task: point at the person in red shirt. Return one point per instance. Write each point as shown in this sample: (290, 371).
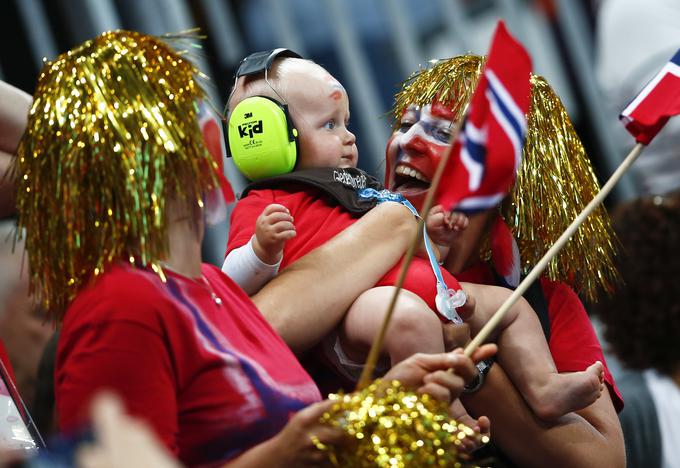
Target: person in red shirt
(112, 173)
(319, 106)
(537, 210)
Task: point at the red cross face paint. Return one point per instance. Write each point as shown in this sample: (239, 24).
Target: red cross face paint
(415, 149)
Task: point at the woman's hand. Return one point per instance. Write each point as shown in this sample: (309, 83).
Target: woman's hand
(297, 443)
(429, 373)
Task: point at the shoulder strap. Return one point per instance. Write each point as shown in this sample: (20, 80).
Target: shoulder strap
(341, 185)
(536, 298)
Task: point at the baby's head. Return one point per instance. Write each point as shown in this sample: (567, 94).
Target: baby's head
(318, 105)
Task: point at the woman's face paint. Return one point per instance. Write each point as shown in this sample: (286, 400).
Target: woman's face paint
(415, 149)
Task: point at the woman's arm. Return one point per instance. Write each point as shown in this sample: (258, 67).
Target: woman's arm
(332, 276)
(592, 437)
(14, 106)
(13, 116)
(7, 203)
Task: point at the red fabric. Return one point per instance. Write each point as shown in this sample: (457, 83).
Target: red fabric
(646, 115)
(211, 127)
(573, 342)
(211, 380)
(316, 222)
(5, 361)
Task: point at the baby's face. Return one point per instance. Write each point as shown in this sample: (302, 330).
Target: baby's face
(319, 107)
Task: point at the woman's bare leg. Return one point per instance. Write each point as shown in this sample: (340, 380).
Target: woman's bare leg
(524, 354)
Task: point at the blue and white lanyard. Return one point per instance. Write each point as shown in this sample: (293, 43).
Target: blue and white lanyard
(447, 299)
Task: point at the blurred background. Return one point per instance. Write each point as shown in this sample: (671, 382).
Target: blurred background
(596, 54)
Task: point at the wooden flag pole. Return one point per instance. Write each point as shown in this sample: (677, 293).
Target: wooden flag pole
(553, 251)
(374, 353)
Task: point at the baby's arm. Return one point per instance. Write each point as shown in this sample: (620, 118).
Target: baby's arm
(444, 226)
(252, 265)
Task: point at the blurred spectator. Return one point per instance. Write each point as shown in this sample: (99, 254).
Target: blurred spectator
(633, 43)
(23, 327)
(642, 323)
(14, 105)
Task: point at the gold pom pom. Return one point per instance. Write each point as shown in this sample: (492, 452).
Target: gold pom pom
(112, 133)
(388, 426)
(554, 183)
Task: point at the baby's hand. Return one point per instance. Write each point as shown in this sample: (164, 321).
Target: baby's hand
(443, 226)
(273, 228)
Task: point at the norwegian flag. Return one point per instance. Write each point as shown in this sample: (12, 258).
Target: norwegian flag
(488, 151)
(211, 128)
(656, 103)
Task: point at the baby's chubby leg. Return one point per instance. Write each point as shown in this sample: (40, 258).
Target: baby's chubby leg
(524, 354)
(413, 328)
(442, 228)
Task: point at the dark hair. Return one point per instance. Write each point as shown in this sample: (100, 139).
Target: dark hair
(642, 318)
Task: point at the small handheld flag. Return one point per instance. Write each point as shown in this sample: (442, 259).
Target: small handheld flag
(488, 152)
(216, 200)
(656, 103)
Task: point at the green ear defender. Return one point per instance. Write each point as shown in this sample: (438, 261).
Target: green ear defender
(261, 137)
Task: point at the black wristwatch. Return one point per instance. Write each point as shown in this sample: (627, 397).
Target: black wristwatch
(475, 384)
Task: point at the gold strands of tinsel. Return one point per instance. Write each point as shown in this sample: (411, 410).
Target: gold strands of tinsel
(555, 182)
(451, 81)
(388, 426)
(112, 134)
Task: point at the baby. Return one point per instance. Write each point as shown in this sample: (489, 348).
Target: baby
(273, 226)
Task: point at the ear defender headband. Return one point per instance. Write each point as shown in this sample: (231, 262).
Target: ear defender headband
(261, 137)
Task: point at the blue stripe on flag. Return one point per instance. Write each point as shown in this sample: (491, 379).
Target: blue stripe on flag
(516, 126)
(477, 151)
(676, 58)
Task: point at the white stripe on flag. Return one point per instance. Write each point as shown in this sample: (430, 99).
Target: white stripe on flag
(475, 168)
(475, 134)
(481, 202)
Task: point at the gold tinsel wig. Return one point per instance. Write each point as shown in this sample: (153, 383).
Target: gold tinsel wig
(554, 183)
(111, 135)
